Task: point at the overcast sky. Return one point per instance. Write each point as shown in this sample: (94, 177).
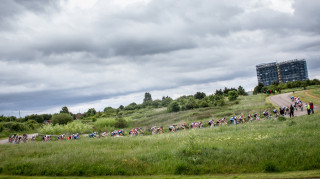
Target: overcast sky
(91, 53)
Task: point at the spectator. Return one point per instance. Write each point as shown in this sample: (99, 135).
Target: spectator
(311, 107)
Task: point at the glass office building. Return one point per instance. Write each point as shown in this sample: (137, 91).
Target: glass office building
(293, 70)
(267, 73)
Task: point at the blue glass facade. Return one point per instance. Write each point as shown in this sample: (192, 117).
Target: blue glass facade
(267, 73)
(293, 70)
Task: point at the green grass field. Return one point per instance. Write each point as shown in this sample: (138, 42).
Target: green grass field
(255, 147)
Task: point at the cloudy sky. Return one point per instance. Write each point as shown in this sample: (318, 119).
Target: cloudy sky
(92, 53)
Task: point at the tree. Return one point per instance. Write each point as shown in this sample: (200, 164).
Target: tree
(121, 107)
(156, 103)
(90, 112)
(166, 101)
(61, 118)
(258, 88)
(35, 117)
(199, 95)
(147, 99)
(232, 95)
(241, 91)
(174, 106)
(132, 106)
(218, 92)
(65, 110)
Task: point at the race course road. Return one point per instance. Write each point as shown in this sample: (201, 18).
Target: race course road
(5, 141)
(284, 100)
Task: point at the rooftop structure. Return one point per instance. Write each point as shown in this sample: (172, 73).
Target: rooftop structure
(292, 70)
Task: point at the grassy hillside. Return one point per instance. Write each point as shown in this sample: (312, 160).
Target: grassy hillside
(160, 117)
(266, 146)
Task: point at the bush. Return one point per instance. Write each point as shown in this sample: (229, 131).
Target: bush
(1, 127)
(15, 126)
(282, 118)
(232, 95)
(72, 127)
(204, 104)
(32, 124)
(174, 106)
(62, 118)
(121, 123)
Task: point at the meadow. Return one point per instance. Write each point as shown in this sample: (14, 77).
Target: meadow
(254, 147)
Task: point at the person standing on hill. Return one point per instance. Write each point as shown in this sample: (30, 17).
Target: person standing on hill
(311, 107)
(291, 111)
(308, 108)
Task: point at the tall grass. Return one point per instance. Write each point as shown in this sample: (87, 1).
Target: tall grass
(72, 127)
(266, 146)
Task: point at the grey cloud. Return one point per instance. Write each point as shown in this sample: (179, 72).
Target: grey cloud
(103, 52)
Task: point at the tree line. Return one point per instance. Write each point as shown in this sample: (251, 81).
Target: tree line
(260, 88)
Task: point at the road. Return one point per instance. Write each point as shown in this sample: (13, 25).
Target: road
(284, 100)
(5, 141)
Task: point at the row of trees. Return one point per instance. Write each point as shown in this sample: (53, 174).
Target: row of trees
(201, 100)
(260, 88)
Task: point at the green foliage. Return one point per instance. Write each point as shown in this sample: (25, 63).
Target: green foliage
(199, 95)
(15, 126)
(174, 106)
(204, 104)
(132, 106)
(121, 107)
(258, 89)
(109, 111)
(104, 123)
(8, 119)
(241, 91)
(1, 127)
(65, 110)
(61, 118)
(156, 103)
(166, 101)
(191, 104)
(32, 124)
(70, 128)
(232, 95)
(147, 99)
(120, 123)
(90, 112)
(35, 117)
(220, 102)
(289, 85)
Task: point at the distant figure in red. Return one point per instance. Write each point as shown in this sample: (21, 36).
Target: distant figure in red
(311, 107)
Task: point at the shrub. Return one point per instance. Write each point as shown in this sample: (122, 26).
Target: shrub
(32, 124)
(1, 127)
(15, 126)
(232, 95)
(174, 106)
(121, 123)
(204, 104)
(62, 118)
(282, 118)
(72, 127)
